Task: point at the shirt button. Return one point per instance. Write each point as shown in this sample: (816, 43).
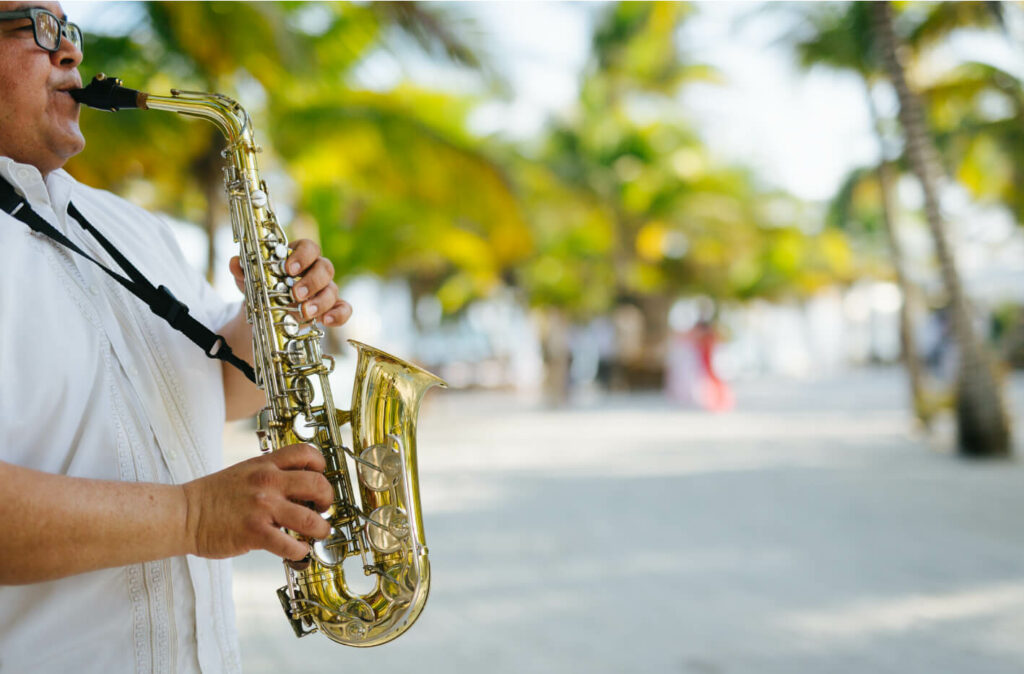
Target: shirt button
(94, 290)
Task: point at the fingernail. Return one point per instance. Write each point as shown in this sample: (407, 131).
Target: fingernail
(293, 268)
(311, 310)
(301, 292)
(328, 320)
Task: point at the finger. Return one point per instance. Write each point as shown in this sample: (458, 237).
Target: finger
(302, 520)
(306, 486)
(316, 278)
(321, 302)
(304, 254)
(338, 314)
(299, 457)
(235, 265)
(284, 545)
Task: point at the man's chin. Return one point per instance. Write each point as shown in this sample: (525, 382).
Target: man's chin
(58, 155)
(71, 145)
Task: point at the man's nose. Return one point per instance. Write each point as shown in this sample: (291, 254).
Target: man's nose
(67, 55)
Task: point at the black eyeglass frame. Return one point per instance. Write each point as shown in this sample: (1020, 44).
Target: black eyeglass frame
(67, 29)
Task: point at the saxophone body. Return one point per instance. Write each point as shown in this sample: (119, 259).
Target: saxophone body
(381, 533)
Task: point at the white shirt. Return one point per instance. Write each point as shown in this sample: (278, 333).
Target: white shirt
(93, 384)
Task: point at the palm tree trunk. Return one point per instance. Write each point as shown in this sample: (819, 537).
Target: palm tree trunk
(554, 331)
(983, 428)
(908, 341)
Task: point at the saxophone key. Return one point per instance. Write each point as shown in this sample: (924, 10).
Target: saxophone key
(275, 268)
(302, 392)
(287, 323)
(356, 616)
(389, 526)
(259, 199)
(380, 467)
(396, 583)
(293, 613)
(332, 550)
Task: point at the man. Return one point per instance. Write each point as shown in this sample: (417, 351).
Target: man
(112, 509)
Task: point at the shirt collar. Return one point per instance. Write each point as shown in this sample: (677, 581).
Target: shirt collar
(52, 193)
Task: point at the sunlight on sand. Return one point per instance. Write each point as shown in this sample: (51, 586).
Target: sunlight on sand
(862, 618)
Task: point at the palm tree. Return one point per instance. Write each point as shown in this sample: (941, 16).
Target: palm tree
(630, 213)
(840, 38)
(611, 161)
(398, 187)
(982, 424)
(984, 143)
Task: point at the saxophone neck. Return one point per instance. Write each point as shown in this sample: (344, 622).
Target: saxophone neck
(106, 93)
(230, 117)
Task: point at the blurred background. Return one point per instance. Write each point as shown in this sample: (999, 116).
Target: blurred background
(729, 297)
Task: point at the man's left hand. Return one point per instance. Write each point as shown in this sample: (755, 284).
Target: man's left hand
(315, 292)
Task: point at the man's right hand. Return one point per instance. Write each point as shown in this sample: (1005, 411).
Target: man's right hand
(243, 507)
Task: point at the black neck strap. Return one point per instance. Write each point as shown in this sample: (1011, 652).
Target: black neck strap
(159, 299)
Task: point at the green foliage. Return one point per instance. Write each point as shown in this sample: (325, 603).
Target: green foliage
(838, 36)
(408, 196)
(940, 19)
(661, 216)
(977, 112)
(394, 184)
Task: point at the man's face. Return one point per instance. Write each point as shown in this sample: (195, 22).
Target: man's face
(38, 118)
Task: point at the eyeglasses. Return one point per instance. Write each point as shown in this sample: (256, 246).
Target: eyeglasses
(47, 28)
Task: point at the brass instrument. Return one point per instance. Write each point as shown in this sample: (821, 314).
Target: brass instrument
(384, 528)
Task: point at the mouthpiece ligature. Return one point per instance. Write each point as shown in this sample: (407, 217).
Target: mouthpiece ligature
(106, 93)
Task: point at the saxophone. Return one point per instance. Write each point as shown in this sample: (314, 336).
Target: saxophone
(383, 529)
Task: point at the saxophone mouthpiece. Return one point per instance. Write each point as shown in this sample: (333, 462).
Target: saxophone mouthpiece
(106, 93)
